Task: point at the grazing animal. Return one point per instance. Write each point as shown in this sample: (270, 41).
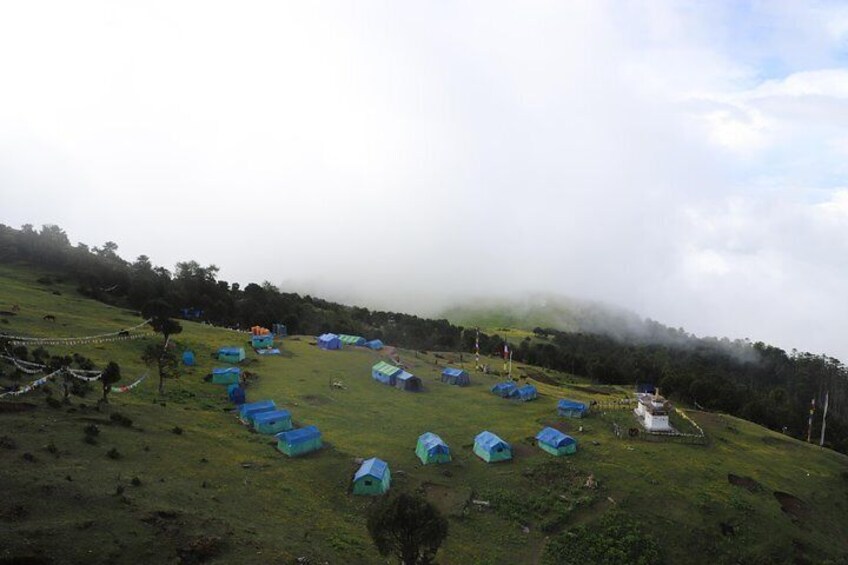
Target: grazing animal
(633, 432)
(123, 333)
(49, 318)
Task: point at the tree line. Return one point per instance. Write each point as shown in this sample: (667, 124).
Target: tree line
(755, 381)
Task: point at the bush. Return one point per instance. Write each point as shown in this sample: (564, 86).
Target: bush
(119, 418)
(615, 539)
(90, 440)
(113, 453)
(177, 430)
(91, 430)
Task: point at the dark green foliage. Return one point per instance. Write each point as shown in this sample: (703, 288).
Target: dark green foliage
(113, 453)
(111, 375)
(120, 419)
(53, 403)
(615, 539)
(177, 430)
(408, 527)
(92, 430)
(136, 482)
(91, 440)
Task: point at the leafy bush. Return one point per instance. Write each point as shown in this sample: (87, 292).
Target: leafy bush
(113, 453)
(615, 539)
(119, 418)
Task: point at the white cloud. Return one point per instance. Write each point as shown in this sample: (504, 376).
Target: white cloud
(683, 160)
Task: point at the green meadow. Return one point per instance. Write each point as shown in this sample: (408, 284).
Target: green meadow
(185, 482)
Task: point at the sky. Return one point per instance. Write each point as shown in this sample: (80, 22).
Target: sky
(685, 160)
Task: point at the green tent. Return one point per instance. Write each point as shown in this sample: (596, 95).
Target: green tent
(299, 441)
(272, 422)
(555, 442)
(231, 354)
(490, 448)
(431, 449)
(228, 376)
(372, 478)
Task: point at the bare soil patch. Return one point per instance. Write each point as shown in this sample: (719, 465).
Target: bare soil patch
(744, 482)
(791, 504)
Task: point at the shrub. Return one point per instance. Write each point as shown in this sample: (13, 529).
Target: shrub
(177, 430)
(113, 453)
(91, 430)
(615, 539)
(91, 440)
(119, 418)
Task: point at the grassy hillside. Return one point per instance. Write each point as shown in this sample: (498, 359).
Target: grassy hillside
(217, 490)
(546, 311)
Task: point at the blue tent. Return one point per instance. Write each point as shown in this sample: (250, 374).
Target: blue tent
(555, 442)
(525, 393)
(329, 341)
(236, 394)
(374, 344)
(231, 354)
(455, 377)
(504, 389)
(272, 422)
(300, 441)
(431, 449)
(249, 411)
(188, 358)
(648, 388)
(372, 477)
(490, 448)
(571, 408)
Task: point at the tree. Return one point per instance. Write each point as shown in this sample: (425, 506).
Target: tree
(407, 527)
(158, 312)
(111, 375)
(163, 357)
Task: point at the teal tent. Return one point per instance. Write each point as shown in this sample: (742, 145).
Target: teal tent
(272, 422)
(431, 449)
(555, 442)
(226, 376)
(372, 478)
(490, 448)
(231, 354)
(299, 441)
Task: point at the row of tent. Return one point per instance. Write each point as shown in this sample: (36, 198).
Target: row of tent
(330, 341)
(491, 448)
(509, 389)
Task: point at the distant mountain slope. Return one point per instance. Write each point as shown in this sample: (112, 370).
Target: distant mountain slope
(557, 312)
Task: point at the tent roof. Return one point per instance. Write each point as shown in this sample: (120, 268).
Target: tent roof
(259, 405)
(505, 386)
(554, 438)
(488, 440)
(231, 350)
(386, 369)
(327, 337)
(404, 376)
(372, 467)
(225, 370)
(450, 371)
(272, 415)
(351, 339)
(430, 440)
(571, 404)
(527, 390)
(299, 435)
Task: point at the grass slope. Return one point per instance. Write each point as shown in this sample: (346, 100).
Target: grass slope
(219, 490)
